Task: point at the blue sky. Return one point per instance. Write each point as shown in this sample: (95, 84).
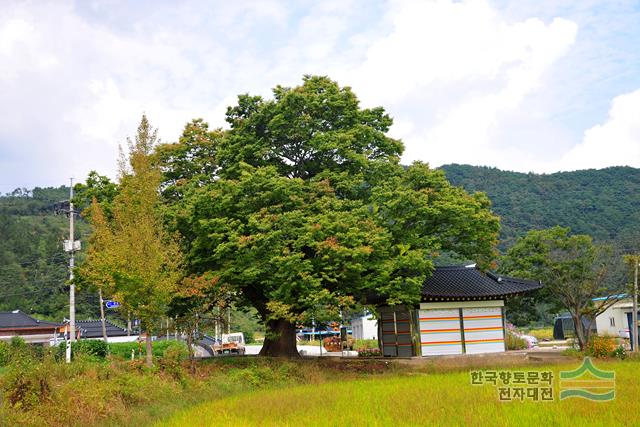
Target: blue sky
(522, 85)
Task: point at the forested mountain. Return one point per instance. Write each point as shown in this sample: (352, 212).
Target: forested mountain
(603, 203)
(33, 266)
(34, 269)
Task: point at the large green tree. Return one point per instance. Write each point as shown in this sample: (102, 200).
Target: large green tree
(572, 269)
(192, 161)
(310, 210)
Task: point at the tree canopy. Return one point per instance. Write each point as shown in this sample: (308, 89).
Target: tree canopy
(571, 268)
(310, 208)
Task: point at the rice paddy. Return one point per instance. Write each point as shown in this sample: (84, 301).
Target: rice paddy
(416, 399)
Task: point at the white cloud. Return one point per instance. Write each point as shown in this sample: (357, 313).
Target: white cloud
(455, 70)
(615, 142)
(464, 81)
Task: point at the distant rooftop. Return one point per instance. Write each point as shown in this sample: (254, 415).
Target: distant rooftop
(93, 329)
(18, 320)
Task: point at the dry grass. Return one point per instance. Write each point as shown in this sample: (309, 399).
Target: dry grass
(417, 399)
(126, 394)
(542, 333)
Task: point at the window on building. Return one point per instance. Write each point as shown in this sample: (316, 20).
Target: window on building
(612, 321)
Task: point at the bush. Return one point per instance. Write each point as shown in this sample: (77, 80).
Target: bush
(27, 383)
(123, 349)
(365, 344)
(92, 348)
(171, 361)
(18, 345)
(5, 353)
(17, 348)
(369, 352)
(96, 348)
(619, 353)
(601, 346)
(514, 342)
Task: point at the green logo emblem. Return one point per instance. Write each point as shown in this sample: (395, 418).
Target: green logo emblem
(588, 382)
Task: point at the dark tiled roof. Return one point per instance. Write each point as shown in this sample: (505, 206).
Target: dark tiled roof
(93, 329)
(470, 282)
(19, 320)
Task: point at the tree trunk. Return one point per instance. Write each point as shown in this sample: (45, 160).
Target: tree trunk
(280, 339)
(149, 356)
(192, 362)
(579, 329)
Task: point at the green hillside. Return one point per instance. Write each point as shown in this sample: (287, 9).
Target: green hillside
(33, 266)
(603, 203)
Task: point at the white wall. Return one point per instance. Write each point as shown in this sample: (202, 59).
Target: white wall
(365, 327)
(616, 314)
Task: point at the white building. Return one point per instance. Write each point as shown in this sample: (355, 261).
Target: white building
(365, 327)
(614, 321)
(461, 312)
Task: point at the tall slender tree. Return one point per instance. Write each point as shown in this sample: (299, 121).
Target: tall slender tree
(135, 256)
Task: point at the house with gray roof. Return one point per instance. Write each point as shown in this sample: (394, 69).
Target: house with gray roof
(32, 330)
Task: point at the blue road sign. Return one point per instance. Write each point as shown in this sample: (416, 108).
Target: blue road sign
(112, 304)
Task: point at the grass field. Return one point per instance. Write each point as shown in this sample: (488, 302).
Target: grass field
(416, 399)
(542, 333)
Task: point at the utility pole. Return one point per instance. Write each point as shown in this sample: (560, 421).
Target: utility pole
(103, 321)
(634, 315)
(71, 246)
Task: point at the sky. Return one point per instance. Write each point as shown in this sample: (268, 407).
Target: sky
(523, 85)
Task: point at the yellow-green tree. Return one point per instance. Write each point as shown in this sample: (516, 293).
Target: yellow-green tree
(132, 254)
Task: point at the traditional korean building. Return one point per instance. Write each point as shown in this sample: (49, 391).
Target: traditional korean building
(461, 312)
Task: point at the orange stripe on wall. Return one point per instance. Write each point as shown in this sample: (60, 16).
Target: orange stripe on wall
(484, 317)
(440, 342)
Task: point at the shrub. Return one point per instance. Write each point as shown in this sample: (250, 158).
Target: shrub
(18, 343)
(27, 383)
(619, 353)
(369, 352)
(92, 348)
(96, 348)
(17, 348)
(601, 346)
(123, 350)
(365, 344)
(171, 360)
(5, 353)
(514, 342)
